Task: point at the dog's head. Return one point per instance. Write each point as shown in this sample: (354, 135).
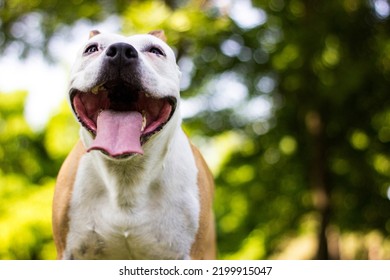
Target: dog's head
(124, 90)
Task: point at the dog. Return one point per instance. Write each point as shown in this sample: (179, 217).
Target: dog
(133, 187)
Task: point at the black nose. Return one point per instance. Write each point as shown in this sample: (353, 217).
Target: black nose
(121, 53)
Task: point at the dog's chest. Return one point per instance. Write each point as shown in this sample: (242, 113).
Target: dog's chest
(101, 232)
(120, 237)
(161, 227)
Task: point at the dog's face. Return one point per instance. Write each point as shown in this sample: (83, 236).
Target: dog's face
(124, 90)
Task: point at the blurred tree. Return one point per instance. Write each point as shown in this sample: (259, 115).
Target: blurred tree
(29, 163)
(22, 151)
(29, 25)
(323, 66)
(26, 180)
(291, 96)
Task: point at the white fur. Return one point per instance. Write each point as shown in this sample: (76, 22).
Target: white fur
(146, 206)
(161, 76)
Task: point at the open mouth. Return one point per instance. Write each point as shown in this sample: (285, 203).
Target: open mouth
(120, 118)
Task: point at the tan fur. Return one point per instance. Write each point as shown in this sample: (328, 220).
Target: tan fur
(93, 33)
(62, 196)
(159, 34)
(204, 246)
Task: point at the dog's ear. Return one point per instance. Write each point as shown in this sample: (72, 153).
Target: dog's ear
(159, 34)
(93, 33)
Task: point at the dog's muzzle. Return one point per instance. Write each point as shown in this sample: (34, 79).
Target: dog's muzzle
(118, 112)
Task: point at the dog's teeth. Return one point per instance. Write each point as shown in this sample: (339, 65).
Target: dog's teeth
(143, 121)
(147, 95)
(95, 90)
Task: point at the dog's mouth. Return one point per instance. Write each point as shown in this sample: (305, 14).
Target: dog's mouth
(120, 118)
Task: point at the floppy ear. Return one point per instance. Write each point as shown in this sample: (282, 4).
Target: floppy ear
(159, 34)
(93, 33)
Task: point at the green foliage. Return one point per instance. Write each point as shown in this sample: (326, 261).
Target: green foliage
(29, 163)
(25, 219)
(61, 133)
(26, 185)
(22, 150)
(45, 17)
(307, 178)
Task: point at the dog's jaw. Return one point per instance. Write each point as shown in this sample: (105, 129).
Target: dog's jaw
(155, 113)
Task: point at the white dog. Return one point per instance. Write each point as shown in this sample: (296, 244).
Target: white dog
(134, 187)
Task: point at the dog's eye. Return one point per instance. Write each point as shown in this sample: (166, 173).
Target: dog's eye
(91, 49)
(157, 51)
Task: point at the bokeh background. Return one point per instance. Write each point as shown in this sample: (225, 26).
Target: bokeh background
(289, 101)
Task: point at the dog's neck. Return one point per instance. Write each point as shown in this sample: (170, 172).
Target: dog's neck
(130, 180)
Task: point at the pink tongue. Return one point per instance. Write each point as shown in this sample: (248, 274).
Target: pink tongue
(118, 133)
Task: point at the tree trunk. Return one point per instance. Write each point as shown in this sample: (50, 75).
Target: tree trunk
(318, 179)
